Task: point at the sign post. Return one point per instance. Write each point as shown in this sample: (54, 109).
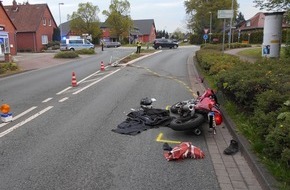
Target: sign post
(224, 14)
(205, 37)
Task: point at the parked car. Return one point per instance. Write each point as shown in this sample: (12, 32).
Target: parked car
(75, 44)
(164, 43)
(112, 44)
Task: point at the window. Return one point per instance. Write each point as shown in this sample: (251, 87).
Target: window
(44, 39)
(4, 43)
(248, 23)
(49, 22)
(44, 22)
(75, 41)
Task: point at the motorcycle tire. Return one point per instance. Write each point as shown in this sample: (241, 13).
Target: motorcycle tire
(187, 125)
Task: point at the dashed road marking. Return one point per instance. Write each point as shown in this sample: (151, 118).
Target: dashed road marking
(63, 99)
(47, 100)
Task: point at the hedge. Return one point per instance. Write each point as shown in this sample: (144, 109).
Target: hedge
(261, 92)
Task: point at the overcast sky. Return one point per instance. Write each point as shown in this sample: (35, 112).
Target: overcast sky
(167, 14)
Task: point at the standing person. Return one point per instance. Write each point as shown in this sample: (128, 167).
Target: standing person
(138, 47)
(102, 45)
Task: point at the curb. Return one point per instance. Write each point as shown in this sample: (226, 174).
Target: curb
(266, 181)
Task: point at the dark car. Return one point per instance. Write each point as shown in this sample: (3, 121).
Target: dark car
(164, 43)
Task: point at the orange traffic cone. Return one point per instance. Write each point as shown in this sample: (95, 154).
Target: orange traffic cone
(102, 66)
(74, 80)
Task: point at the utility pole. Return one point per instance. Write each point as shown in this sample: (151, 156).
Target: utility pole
(231, 22)
(210, 23)
(59, 4)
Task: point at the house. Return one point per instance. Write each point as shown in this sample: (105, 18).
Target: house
(143, 30)
(66, 31)
(7, 35)
(35, 25)
(256, 23)
(147, 30)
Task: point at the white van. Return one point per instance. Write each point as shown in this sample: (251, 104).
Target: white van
(75, 44)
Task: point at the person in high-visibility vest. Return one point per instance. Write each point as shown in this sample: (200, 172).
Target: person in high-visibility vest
(138, 47)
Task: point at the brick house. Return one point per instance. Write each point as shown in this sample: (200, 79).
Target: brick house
(143, 30)
(256, 23)
(147, 30)
(35, 25)
(7, 33)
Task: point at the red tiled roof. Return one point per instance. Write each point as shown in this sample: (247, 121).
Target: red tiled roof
(257, 21)
(2, 7)
(27, 17)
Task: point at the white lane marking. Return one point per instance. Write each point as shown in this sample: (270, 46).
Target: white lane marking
(3, 124)
(89, 76)
(19, 115)
(63, 90)
(64, 99)
(46, 100)
(91, 84)
(78, 83)
(24, 121)
(25, 112)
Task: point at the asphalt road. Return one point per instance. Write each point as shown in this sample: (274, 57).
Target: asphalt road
(61, 137)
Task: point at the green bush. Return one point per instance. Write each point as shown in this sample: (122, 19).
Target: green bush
(66, 54)
(261, 93)
(4, 67)
(213, 61)
(85, 51)
(277, 142)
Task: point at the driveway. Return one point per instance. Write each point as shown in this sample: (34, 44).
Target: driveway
(30, 61)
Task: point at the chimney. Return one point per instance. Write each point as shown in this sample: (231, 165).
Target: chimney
(14, 6)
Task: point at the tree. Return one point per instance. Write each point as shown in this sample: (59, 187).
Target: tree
(240, 18)
(118, 19)
(273, 5)
(85, 20)
(162, 34)
(178, 34)
(199, 14)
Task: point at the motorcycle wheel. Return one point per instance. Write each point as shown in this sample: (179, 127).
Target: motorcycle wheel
(187, 125)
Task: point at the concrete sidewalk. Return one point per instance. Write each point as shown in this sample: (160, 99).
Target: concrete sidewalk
(232, 171)
(244, 58)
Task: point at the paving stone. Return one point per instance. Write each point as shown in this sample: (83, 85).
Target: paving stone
(239, 185)
(224, 179)
(226, 186)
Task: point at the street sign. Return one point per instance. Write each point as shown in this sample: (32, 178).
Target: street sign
(225, 13)
(205, 30)
(205, 36)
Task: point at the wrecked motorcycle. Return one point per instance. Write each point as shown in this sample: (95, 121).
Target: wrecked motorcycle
(191, 114)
